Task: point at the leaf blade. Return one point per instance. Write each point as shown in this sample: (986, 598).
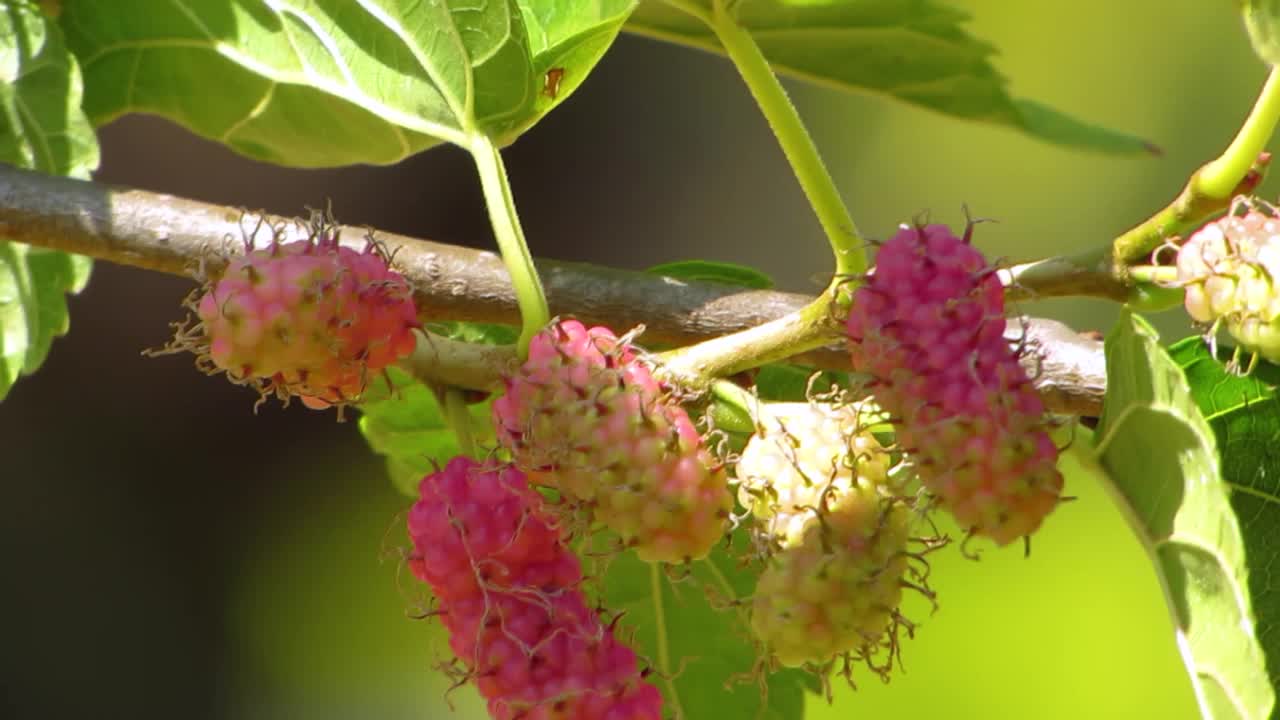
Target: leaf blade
(402, 420)
(321, 83)
(703, 652)
(916, 52)
(1245, 415)
(1158, 456)
(42, 128)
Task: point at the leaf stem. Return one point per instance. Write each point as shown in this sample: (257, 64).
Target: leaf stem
(530, 297)
(784, 120)
(664, 652)
(1187, 211)
(1219, 178)
(1156, 274)
(808, 328)
(455, 408)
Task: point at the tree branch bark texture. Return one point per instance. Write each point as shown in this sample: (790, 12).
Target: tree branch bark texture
(186, 237)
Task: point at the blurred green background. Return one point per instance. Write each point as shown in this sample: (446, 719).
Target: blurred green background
(168, 553)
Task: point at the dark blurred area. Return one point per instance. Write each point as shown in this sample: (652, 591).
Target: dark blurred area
(169, 553)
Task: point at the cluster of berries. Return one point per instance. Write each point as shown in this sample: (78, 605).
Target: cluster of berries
(585, 418)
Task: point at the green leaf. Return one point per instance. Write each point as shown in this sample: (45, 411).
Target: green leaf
(570, 36)
(782, 382)
(1262, 18)
(702, 652)
(915, 51)
(319, 83)
(1160, 456)
(402, 419)
(480, 333)
(1245, 415)
(709, 271)
(42, 128)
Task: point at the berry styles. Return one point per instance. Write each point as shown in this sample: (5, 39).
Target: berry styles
(508, 590)
(311, 319)
(1228, 270)
(835, 534)
(585, 415)
(928, 326)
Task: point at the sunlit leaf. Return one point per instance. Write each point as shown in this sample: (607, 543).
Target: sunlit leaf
(43, 128)
(319, 83)
(1244, 412)
(1161, 459)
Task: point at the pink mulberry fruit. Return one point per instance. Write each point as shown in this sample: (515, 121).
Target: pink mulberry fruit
(585, 415)
(508, 591)
(310, 318)
(929, 327)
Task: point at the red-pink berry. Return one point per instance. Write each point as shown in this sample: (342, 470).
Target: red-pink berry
(508, 591)
(929, 327)
(309, 318)
(585, 414)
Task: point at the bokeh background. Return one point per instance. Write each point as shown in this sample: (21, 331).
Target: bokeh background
(168, 553)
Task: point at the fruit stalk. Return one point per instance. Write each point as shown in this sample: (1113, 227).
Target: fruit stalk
(530, 296)
(788, 128)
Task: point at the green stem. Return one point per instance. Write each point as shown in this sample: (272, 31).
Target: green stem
(810, 327)
(797, 145)
(534, 314)
(1159, 274)
(455, 408)
(664, 652)
(1219, 178)
(1189, 210)
(1209, 190)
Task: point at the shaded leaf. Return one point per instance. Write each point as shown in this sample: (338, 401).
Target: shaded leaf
(915, 51)
(785, 382)
(42, 128)
(709, 271)
(1160, 459)
(402, 420)
(703, 653)
(325, 82)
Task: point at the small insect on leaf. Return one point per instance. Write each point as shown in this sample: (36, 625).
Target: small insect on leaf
(551, 85)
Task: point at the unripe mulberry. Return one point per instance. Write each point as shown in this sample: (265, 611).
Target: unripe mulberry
(834, 534)
(508, 591)
(928, 326)
(799, 453)
(585, 415)
(1228, 269)
(310, 318)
